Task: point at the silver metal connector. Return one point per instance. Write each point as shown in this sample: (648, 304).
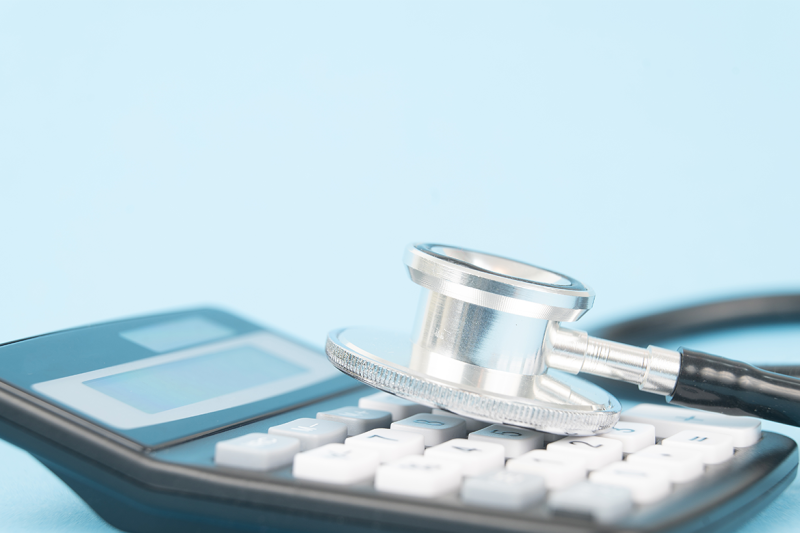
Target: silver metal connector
(653, 369)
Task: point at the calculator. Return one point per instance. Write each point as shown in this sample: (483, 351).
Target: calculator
(203, 421)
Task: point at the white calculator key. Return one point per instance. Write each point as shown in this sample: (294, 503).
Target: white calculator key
(713, 447)
(682, 465)
(647, 483)
(633, 435)
(357, 419)
(559, 470)
(416, 475)
(335, 463)
(435, 429)
(256, 451)
(503, 490)
(516, 441)
(389, 444)
(670, 420)
(596, 452)
(311, 432)
(605, 504)
(472, 424)
(400, 408)
(475, 457)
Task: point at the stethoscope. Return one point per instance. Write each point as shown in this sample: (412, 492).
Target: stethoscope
(488, 344)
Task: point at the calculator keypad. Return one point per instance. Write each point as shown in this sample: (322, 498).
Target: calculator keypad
(596, 452)
(745, 431)
(559, 470)
(398, 407)
(646, 483)
(429, 455)
(417, 475)
(256, 451)
(336, 463)
(312, 433)
(389, 444)
(603, 503)
(633, 435)
(713, 448)
(682, 465)
(503, 490)
(435, 429)
(471, 423)
(514, 440)
(357, 419)
(475, 457)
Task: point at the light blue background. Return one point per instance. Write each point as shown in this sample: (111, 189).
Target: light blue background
(275, 158)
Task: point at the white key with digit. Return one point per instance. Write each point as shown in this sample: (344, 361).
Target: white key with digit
(714, 448)
(596, 452)
(472, 424)
(682, 465)
(516, 441)
(633, 435)
(335, 463)
(559, 470)
(646, 483)
(669, 420)
(400, 408)
(475, 457)
(435, 429)
(312, 433)
(389, 444)
(357, 419)
(420, 476)
(256, 451)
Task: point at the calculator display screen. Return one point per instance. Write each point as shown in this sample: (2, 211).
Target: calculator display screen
(183, 382)
(160, 379)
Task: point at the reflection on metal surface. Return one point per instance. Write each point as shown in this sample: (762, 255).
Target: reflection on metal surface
(552, 401)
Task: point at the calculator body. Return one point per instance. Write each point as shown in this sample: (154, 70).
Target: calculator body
(90, 404)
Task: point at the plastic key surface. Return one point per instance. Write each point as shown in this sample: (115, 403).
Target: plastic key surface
(668, 420)
(633, 435)
(357, 419)
(472, 424)
(312, 433)
(596, 452)
(416, 475)
(256, 451)
(646, 483)
(475, 457)
(516, 441)
(605, 504)
(400, 408)
(503, 490)
(389, 444)
(435, 429)
(714, 448)
(681, 465)
(559, 470)
(335, 463)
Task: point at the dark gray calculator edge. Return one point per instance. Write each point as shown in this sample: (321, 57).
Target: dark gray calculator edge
(150, 495)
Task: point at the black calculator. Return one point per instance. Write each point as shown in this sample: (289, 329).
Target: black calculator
(202, 421)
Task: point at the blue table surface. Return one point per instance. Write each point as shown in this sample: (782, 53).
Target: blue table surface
(274, 158)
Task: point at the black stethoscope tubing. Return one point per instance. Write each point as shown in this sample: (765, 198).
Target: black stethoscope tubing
(713, 383)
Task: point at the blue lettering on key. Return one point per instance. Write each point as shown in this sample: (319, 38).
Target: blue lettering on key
(428, 422)
(590, 445)
(506, 433)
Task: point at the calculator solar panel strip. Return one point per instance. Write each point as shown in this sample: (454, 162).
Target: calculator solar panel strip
(156, 473)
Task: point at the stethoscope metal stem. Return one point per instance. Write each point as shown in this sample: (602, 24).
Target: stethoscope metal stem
(653, 369)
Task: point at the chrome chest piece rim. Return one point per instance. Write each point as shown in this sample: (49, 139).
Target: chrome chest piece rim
(478, 344)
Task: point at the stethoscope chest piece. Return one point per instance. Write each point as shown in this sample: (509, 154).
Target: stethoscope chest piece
(479, 342)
